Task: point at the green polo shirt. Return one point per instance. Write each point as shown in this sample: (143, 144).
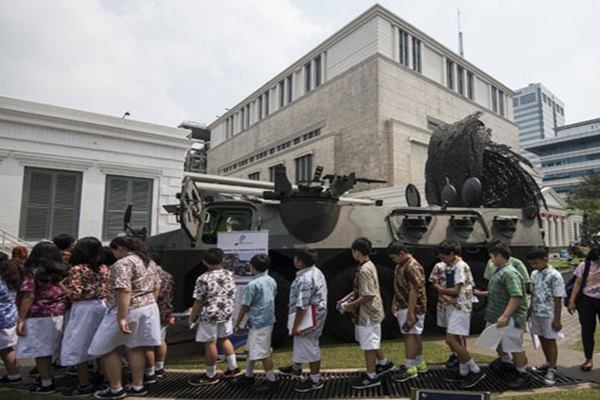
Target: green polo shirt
(490, 268)
(503, 285)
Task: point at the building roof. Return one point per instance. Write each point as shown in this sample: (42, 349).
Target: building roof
(540, 146)
(577, 124)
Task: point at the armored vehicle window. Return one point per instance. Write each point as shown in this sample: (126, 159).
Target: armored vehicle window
(226, 220)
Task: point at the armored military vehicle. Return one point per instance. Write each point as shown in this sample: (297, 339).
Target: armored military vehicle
(496, 199)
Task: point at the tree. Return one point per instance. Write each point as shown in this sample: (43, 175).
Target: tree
(586, 197)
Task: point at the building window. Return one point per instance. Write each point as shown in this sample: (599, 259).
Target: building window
(260, 107)
(303, 168)
(120, 192)
(281, 88)
(470, 85)
(516, 102)
(450, 74)
(227, 123)
(272, 172)
(494, 99)
(266, 101)
(318, 75)
(290, 88)
(403, 40)
(243, 118)
(501, 102)
(416, 53)
(460, 79)
(528, 98)
(50, 205)
(255, 176)
(247, 114)
(307, 78)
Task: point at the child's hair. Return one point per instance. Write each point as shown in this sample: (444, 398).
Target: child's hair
(10, 274)
(108, 258)
(593, 255)
(45, 263)
(363, 246)
(500, 248)
(213, 256)
(134, 245)
(306, 256)
(88, 251)
(396, 248)
(537, 253)
(63, 241)
(19, 252)
(448, 247)
(261, 262)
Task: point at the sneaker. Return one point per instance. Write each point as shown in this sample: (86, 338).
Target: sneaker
(38, 389)
(291, 371)
(109, 394)
(201, 380)
(384, 369)
(80, 391)
(365, 382)
(308, 385)
(160, 373)
(404, 374)
(149, 379)
(499, 366)
(422, 367)
(542, 369)
(452, 361)
(243, 381)
(5, 380)
(521, 381)
(472, 379)
(136, 393)
(454, 375)
(34, 372)
(72, 371)
(266, 387)
(232, 373)
(550, 377)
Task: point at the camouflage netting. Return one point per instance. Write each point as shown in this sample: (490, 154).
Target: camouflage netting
(465, 149)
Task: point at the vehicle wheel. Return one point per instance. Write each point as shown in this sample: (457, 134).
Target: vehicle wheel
(280, 333)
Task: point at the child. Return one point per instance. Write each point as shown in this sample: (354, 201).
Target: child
(86, 287)
(547, 293)
(214, 296)
(259, 305)
(65, 244)
(507, 306)
(459, 284)
(9, 284)
(367, 308)
(41, 312)
(309, 289)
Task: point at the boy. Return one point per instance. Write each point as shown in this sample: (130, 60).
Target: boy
(214, 296)
(507, 306)
(308, 290)
(459, 284)
(547, 293)
(408, 305)
(490, 269)
(259, 304)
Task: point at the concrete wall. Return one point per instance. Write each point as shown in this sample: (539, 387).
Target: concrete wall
(354, 48)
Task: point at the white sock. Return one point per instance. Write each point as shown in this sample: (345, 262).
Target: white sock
(315, 377)
(473, 367)
(150, 371)
(116, 390)
(159, 365)
(409, 363)
(211, 371)
(506, 358)
(371, 375)
(419, 359)
(270, 375)
(137, 387)
(46, 382)
(249, 368)
(522, 369)
(231, 362)
(463, 368)
(383, 361)
(13, 377)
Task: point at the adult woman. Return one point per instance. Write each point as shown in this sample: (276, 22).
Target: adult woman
(585, 298)
(133, 319)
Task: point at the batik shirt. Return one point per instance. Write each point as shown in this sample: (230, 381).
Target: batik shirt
(462, 275)
(130, 273)
(505, 284)
(546, 285)
(366, 283)
(49, 299)
(165, 295)
(438, 277)
(83, 283)
(490, 269)
(308, 289)
(8, 308)
(407, 275)
(215, 289)
(592, 284)
(259, 297)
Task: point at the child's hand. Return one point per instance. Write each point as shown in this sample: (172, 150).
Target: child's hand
(411, 320)
(297, 332)
(502, 321)
(449, 299)
(20, 328)
(557, 325)
(571, 308)
(124, 326)
(349, 307)
(171, 321)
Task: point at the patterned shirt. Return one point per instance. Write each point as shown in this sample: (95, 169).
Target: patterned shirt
(83, 283)
(308, 289)
(216, 290)
(165, 295)
(462, 275)
(8, 308)
(505, 284)
(490, 269)
(410, 274)
(546, 284)
(438, 277)
(366, 283)
(130, 273)
(592, 284)
(259, 297)
(49, 299)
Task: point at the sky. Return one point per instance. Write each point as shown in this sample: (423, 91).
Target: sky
(169, 61)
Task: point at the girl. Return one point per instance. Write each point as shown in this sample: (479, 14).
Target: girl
(41, 312)
(133, 319)
(9, 284)
(86, 287)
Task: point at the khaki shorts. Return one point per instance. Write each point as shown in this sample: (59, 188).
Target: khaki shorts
(259, 343)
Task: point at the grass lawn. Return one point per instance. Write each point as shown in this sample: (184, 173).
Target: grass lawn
(579, 394)
(561, 263)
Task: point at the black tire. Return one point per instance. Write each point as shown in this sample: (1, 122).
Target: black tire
(280, 333)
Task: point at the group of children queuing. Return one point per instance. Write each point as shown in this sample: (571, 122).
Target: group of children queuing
(90, 305)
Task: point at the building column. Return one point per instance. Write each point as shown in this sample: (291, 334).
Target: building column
(551, 242)
(559, 232)
(546, 232)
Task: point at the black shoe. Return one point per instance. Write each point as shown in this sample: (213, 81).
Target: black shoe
(42, 390)
(243, 381)
(232, 373)
(109, 394)
(542, 369)
(6, 381)
(291, 371)
(452, 362)
(499, 366)
(80, 391)
(160, 373)
(137, 393)
(472, 379)
(266, 387)
(72, 371)
(454, 376)
(202, 380)
(149, 379)
(365, 382)
(34, 372)
(384, 369)
(521, 381)
(308, 385)
(404, 374)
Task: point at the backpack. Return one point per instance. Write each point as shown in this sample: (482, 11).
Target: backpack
(571, 284)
